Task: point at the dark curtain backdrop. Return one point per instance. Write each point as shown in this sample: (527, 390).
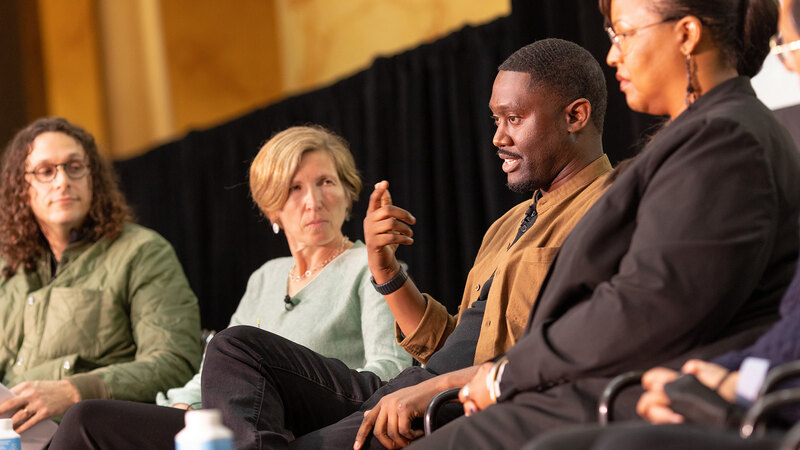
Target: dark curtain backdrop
(419, 119)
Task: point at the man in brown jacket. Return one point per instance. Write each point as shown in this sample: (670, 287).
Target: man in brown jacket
(548, 102)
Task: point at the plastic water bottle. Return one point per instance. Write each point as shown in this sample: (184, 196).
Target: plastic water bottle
(9, 439)
(204, 431)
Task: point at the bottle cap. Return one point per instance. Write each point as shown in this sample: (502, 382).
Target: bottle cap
(6, 425)
(203, 418)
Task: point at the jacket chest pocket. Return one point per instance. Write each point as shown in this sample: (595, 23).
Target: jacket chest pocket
(525, 279)
(81, 321)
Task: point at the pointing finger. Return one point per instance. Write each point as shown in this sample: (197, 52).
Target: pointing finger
(365, 428)
(386, 198)
(376, 198)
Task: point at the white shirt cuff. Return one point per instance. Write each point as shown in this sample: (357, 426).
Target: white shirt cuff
(752, 373)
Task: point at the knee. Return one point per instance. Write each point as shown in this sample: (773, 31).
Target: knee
(229, 340)
(244, 339)
(219, 348)
(77, 424)
(239, 344)
(234, 333)
(82, 413)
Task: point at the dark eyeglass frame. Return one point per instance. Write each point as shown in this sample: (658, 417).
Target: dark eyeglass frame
(73, 174)
(780, 48)
(617, 39)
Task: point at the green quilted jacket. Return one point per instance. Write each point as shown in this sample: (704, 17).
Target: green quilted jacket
(118, 319)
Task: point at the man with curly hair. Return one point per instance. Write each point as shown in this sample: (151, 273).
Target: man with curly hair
(91, 305)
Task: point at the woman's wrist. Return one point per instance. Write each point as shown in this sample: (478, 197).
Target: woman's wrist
(457, 378)
(721, 381)
(494, 377)
(727, 386)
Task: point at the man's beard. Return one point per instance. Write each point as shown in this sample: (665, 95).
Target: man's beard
(523, 187)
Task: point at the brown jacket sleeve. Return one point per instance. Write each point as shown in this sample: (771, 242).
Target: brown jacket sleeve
(434, 328)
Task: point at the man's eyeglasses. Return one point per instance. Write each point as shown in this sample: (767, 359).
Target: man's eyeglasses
(618, 39)
(46, 173)
(778, 47)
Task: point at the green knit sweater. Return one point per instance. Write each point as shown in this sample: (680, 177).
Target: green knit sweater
(338, 314)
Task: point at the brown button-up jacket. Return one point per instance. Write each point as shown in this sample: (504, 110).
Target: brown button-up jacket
(518, 271)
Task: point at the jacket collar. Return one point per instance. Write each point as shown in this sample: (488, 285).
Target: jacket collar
(595, 169)
(735, 86)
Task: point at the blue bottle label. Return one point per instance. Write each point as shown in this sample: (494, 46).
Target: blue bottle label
(10, 444)
(218, 444)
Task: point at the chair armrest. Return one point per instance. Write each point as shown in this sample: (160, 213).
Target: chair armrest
(766, 405)
(612, 390)
(791, 440)
(778, 374)
(437, 401)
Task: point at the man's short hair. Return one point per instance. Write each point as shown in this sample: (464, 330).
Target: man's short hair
(566, 69)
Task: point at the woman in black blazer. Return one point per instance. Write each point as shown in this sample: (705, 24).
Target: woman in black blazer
(688, 252)
(734, 376)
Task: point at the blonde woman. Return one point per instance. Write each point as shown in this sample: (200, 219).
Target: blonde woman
(304, 180)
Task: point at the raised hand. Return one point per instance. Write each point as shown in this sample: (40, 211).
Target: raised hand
(385, 227)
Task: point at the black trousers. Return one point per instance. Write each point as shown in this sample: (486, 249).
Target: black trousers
(513, 423)
(107, 424)
(642, 436)
(270, 389)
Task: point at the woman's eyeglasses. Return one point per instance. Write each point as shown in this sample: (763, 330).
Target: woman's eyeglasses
(778, 47)
(46, 173)
(618, 38)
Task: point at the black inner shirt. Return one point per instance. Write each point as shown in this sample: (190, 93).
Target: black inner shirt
(458, 350)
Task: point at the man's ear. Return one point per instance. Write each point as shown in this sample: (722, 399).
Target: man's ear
(578, 114)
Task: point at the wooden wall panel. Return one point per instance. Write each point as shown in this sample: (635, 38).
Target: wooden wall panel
(323, 40)
(22, 90)
(138, 72)
(73, 81)
(222, 56)
(136, 81)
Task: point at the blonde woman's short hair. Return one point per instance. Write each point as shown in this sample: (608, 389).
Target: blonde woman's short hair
(275, 164)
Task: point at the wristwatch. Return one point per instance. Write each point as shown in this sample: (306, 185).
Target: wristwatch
(397, 281)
